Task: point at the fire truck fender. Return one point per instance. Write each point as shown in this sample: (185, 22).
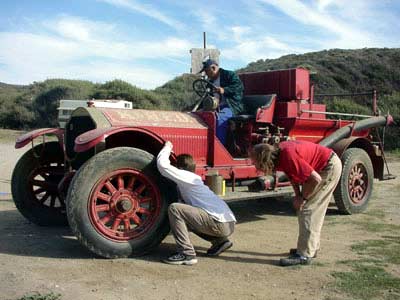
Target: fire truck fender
(28, 137)
(120, 137)
(373, 152)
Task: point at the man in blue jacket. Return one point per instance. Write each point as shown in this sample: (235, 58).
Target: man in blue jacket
(229, 91)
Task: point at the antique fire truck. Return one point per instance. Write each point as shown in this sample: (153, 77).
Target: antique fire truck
(100, 177)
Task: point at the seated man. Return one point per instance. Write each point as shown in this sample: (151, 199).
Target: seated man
(229, 91)
(201, 211)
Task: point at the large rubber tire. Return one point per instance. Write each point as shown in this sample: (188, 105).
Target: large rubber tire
(355, 186)
(105, 200)
(34, 185)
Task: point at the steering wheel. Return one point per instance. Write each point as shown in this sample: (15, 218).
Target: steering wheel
(204, 89)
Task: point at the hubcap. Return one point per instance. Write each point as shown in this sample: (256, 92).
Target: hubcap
(358, 184)
(124, 205)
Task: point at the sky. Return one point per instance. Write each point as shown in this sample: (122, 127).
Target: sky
(147, 43)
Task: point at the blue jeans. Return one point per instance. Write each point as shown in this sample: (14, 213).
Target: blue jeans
(224, 114)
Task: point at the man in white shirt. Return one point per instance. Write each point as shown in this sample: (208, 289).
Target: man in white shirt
(201, 211)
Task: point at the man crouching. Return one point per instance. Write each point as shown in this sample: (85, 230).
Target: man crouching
(200, 210)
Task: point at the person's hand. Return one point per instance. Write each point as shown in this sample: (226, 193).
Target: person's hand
(298, 203)
(169, 144)
(219, 90)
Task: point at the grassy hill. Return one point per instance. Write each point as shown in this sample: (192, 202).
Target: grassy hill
(335, 71)
(332, 71)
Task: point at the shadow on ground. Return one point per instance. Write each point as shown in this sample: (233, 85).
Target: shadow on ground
(20, 237)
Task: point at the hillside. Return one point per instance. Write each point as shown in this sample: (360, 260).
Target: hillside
(332, 71)
(335, 71)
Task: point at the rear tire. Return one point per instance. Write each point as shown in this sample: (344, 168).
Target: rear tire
(355, 186)
(34, 185)
(117, 203)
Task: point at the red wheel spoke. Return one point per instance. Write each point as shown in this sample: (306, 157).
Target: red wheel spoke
(110, 187)
(131, 183)
(103, 197)
(121, 183)
(145, 200)
(143, 211)
(44, 198)
(124, 205)
(127, 224)
(102, 207)
(106, 218)
(136, 219)
(140, 189)
(116, 223)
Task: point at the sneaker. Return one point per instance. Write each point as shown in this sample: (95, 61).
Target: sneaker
(181, 259)
(295, 259)
(216, 250)
(293, 251)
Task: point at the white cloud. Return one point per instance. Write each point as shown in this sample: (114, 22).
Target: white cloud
(254, 48)
(147, 10)
(137, 75)
(208, 19)
(239, 31)
(322, 4)
(346, 35)
(79, 29)
(77, 48)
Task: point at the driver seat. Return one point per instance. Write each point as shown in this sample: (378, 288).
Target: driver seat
(251, 104)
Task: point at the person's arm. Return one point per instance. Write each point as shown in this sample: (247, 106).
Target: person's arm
(168, 170)
(234, 87)
(300, 173)
(307, 189)
(296, 188)
(298, 198)
(309, 186)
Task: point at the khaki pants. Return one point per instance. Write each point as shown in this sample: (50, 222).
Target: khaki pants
(311, 217)
(184, 218)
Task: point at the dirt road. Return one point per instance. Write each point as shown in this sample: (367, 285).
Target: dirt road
(47, 260)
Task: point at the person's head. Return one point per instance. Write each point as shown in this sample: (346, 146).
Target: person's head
(211, 68)
(265, 157)
(185, 162)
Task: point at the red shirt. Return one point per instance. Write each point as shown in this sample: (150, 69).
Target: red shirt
(299, 158)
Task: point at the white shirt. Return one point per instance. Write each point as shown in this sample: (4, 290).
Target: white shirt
(193, 190)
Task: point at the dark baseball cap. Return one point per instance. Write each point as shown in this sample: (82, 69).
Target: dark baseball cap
(208, 63)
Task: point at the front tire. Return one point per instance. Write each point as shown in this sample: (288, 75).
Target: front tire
(117, 203)
(355, 186)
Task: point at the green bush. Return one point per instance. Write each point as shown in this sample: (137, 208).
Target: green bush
(39, 296)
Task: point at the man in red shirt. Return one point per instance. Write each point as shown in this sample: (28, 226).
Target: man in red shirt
(314, 172)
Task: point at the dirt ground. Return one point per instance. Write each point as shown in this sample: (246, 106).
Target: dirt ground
(39, 259)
